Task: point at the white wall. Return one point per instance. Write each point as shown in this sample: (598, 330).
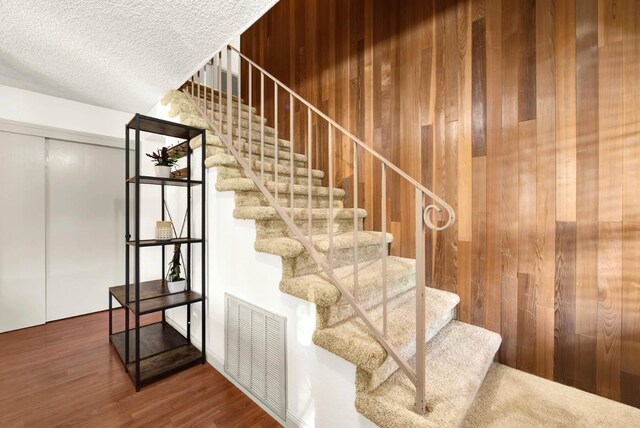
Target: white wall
(38, 109)
(321, 385)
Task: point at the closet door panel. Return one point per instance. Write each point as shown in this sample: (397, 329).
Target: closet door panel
(22, 231)
(85, 227)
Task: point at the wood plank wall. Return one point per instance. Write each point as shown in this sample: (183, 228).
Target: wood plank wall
(525, 116)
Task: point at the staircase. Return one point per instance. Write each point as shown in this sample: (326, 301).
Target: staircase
(372, 307)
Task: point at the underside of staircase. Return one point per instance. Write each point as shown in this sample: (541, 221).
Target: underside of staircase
(458, 355)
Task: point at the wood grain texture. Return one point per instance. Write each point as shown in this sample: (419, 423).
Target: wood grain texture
(609, 309)
(479, 87)
(587, 166)
(565, 302)
(525, 116)
(545, 182)
(565, 52)
(526, 49)
(66, 373)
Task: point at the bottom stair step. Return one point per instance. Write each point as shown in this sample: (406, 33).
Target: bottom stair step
(457, 361)
(353, 341)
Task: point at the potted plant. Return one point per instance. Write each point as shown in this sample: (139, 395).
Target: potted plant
(175, 281)
(164, 161)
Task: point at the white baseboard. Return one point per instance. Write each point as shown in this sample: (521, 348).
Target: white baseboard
(217, 362)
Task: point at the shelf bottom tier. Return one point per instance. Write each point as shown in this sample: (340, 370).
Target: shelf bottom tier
(163, 351)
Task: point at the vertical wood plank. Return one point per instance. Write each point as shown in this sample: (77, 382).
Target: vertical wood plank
(631, 89)
(479, 242)
(526, 322)
(565, 28)
(609, 21)
(565, 298)
(509, 186)
(630, 363)
(609, 309)
(587, 169)
(494, 164)
(479, 87)
(611, 128)
(545, 183)
(464, 123)
(527, 197)
(527, 59)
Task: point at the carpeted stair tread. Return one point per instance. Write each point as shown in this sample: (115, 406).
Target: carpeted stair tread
(318, 288)
(270, 213)
(284, 188)
(457, 360)
(269, 142)
(353, 341)
(291, 247)
(227, 160)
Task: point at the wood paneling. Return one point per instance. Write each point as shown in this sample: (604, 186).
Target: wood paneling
(525, 116)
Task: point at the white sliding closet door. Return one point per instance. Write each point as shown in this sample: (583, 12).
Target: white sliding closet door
(85, 227)
(22, 236)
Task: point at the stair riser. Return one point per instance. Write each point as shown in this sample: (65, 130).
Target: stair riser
(269, 152)
(332, 315)
(369, 381)
(227, 172)
(270, 229)
(257, 199)
(267, 159)
(304, 264)
(216, 102)
(244, 123)
(184, 106)
(269, 140)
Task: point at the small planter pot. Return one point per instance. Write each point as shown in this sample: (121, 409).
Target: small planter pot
(163, 171)
(177, 286)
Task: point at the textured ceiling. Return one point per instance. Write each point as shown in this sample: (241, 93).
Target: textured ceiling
(120, 54)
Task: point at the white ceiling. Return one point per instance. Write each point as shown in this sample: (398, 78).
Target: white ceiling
(120, 54)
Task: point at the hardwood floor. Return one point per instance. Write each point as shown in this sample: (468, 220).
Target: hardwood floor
(66, 374)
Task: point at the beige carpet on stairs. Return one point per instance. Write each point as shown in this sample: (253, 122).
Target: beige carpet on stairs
(512, 398)
(458, 355)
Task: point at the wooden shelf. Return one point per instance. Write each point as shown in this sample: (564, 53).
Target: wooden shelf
(159, 242)
(154, 296)
(165, 127)
(163, 351)
(159, 181)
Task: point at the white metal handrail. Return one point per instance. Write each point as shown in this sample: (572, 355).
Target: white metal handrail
(202, 90)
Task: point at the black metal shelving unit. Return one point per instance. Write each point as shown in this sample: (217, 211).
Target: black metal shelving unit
(153, 351)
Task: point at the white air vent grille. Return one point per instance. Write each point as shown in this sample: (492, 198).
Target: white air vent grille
(255, 353)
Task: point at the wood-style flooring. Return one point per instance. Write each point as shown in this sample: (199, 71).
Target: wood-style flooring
(65, 373)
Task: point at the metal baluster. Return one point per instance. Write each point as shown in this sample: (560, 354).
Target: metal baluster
(229, 105)
(384, 249)
(420, 306)
(199, 99)
(330, 196)
(291, 163)
(355, 222)
(250, 83)
(275, 136)
(213, 73)
(220, 89)
(240, 106)
(262, 127)
(204, 78)
(309, 175)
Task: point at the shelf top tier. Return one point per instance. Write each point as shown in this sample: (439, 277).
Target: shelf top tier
(164, 127)
(159, 181)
